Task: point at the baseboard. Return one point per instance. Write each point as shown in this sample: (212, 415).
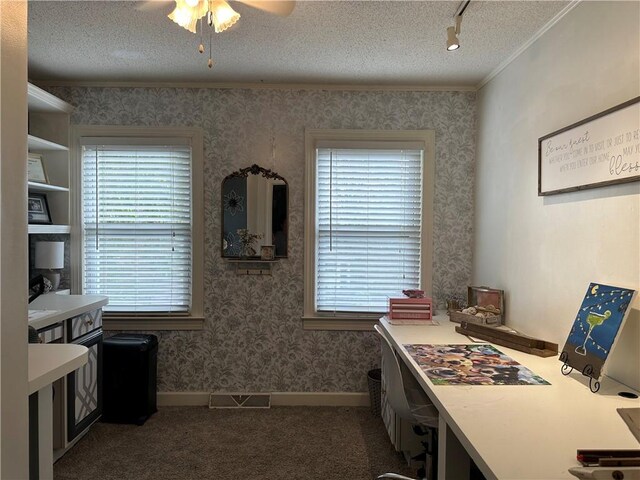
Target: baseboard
(320, 399)
(278, 399)
(183, 399)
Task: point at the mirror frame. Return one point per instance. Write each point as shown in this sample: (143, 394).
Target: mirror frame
(245, 172)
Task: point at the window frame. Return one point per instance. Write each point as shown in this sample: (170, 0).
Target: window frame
(194, 320)
(311, 319)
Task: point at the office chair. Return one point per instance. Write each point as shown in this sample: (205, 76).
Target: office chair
(409, 402)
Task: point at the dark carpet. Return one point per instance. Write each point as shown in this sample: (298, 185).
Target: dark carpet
(288, 443)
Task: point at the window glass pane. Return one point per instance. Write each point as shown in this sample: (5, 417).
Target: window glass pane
(368, 227)
(137, 249)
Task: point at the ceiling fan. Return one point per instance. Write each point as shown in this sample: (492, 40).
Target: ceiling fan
(217, 14)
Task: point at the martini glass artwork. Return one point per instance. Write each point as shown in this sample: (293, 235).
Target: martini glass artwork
(593, 319)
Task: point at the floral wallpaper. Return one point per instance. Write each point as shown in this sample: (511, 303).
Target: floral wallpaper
(253, 338)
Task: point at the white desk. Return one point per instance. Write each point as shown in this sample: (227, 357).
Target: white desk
(516, 432)
(60, 307)
(47, 363)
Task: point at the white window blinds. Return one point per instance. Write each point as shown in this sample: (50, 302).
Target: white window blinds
(368, 226)
(136, 205)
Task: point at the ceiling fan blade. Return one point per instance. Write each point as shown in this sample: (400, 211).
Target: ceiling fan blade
(278, 7)
(148, 5)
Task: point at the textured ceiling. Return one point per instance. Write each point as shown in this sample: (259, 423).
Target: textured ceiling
(335, 42)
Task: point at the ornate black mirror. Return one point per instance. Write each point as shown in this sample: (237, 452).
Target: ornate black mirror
(255, 209)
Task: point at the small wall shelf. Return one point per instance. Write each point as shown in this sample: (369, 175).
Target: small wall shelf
(251, 266)
(40, 144)
(49, 229)
(40, 100)
(45, 187)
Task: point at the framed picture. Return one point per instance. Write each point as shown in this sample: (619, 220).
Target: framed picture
(597, 324)
(35, 168)
(594, 152)
(38, 209)
(267, 252)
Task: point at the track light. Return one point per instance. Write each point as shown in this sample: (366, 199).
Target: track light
(452, 35)
(453, 43)
(452, 39)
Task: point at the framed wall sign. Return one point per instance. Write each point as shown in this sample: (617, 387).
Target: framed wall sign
(38, 209)
(601, 150)
(35, 168)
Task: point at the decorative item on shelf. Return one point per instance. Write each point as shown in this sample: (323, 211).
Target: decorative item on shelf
(413, 293)
(486, 307)
(37, 286)
(50, 257)
(455, 304)
(38, 209)
(267, 252)
(599, 321)
(35, 169)
(247, 241)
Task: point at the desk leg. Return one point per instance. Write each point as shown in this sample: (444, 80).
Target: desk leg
(45, 432)
(453, 460)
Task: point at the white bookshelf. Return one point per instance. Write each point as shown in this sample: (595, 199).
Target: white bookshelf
(49, 137)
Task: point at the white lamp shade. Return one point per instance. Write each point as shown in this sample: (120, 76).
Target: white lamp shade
(49, 255)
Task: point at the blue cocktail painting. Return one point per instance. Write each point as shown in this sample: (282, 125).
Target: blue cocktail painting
(596, 326)
(593, 319)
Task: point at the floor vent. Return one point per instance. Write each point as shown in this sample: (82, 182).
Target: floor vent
(240, 400)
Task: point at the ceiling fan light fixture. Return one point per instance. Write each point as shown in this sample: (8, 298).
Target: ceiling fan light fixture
(452, 39)
(187, 13)
(223, 16)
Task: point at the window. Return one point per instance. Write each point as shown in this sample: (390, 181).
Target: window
(368, 230)
(140, 225)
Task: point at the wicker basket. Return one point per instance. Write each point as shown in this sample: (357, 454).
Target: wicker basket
(374, 379)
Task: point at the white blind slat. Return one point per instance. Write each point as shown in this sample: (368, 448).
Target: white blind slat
(368, 226)
(137, 211)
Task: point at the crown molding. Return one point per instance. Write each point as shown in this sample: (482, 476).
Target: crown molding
(530, 42)
(257, 86)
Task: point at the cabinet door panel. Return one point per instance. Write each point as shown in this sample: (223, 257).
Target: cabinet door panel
(84, 388)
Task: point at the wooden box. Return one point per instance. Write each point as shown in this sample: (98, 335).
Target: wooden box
(418, 309)
(485, 299)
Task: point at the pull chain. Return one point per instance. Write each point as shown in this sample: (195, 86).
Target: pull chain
(210, 62)
(210, 22)
(201, 46)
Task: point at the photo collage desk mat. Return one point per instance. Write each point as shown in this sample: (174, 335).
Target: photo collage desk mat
(477, 364)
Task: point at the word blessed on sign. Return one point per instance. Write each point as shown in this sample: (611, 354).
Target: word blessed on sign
(600, 150)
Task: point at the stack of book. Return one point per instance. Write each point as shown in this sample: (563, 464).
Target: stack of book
(410, 310)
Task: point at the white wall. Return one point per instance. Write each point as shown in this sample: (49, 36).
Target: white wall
(544, 251)
(13, 240)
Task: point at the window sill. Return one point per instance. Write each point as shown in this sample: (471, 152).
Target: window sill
(340, 323)
(152, 323)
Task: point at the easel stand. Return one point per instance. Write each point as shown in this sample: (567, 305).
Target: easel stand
(566, 369)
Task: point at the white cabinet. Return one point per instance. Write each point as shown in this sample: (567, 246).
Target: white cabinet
(77, 403)
(49, 137)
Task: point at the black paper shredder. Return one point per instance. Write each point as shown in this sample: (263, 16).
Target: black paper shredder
(129, 378)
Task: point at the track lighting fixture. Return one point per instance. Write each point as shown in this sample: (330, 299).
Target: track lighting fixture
(453, 43)
(452, 38)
